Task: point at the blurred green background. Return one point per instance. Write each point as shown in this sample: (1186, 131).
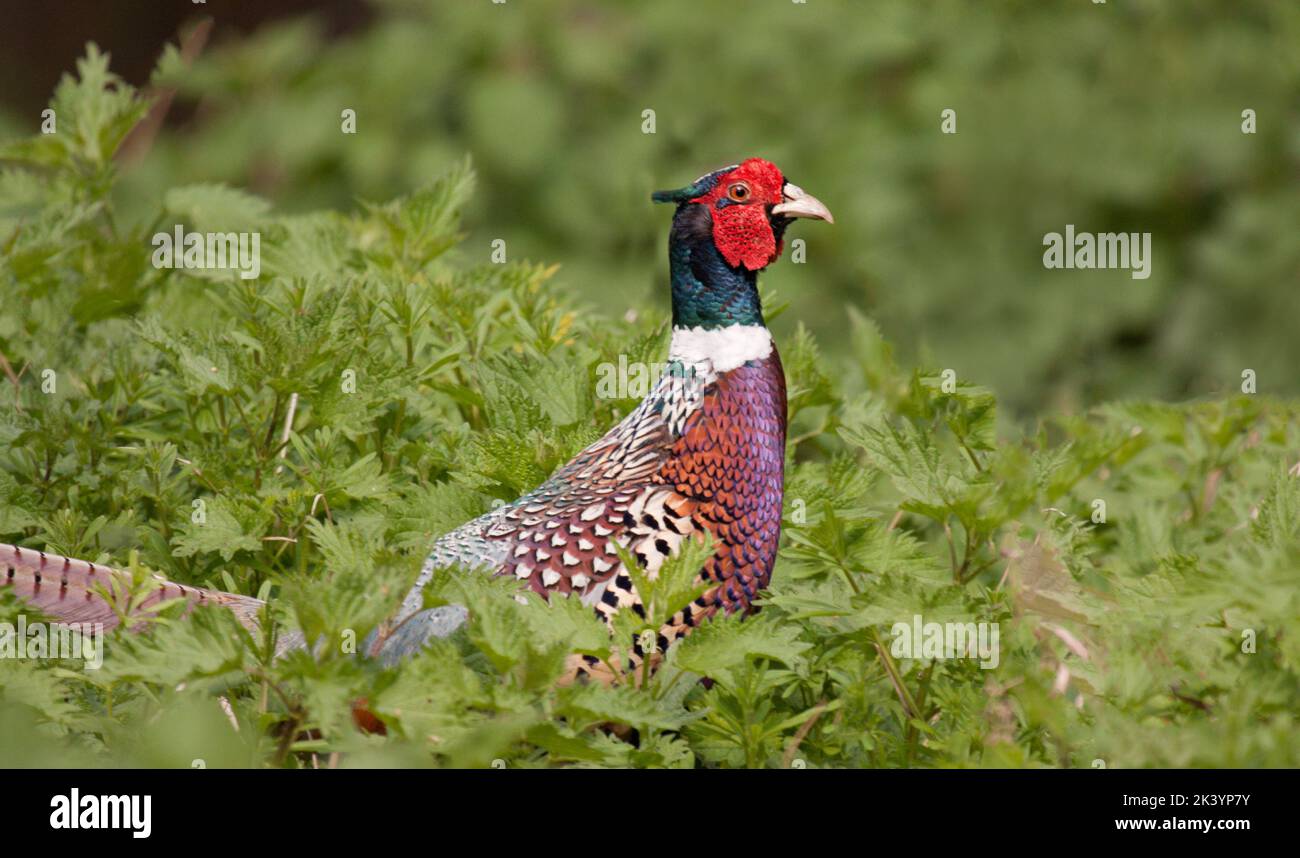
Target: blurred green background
(1119, 116)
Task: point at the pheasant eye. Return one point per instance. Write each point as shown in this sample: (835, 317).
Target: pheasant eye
(738, 192)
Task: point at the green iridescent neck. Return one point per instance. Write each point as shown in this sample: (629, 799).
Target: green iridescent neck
(707, 292)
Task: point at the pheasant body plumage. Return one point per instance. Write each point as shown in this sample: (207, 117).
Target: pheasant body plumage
(704, 452)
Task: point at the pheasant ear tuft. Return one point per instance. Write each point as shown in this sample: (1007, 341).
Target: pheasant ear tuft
(677, 196)
(698, 188)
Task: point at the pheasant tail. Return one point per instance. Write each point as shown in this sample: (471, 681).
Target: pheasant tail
(76, 591)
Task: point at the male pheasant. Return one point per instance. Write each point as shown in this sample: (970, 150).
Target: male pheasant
(703, 452)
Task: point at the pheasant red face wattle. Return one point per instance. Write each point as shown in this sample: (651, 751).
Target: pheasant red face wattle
(744, 201)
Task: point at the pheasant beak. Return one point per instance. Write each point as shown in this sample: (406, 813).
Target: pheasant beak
(796, 202)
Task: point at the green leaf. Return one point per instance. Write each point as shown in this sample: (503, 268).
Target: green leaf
(224, 528)
(215, 208)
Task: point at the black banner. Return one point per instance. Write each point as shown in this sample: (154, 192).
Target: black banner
(304, 808)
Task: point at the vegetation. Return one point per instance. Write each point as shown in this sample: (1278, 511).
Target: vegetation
(1139, 558)
(1125, 116)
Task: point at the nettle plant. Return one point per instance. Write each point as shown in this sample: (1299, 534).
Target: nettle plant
(304, 435)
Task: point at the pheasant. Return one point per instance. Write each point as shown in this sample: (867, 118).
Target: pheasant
(704, 452)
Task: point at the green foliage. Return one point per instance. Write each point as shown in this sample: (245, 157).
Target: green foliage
(1123, 118)
(305, 435)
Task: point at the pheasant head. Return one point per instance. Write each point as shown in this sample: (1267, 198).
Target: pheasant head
(730, 225)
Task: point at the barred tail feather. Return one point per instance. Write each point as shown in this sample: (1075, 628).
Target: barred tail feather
(72, 591)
